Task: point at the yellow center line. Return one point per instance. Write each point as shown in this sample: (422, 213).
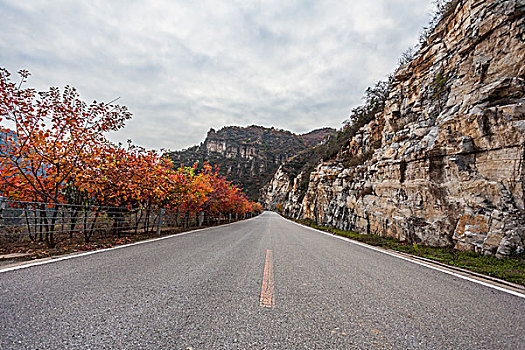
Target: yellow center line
(267, 288)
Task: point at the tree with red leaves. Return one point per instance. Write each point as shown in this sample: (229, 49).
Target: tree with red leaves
(53, 132)
(56, 153)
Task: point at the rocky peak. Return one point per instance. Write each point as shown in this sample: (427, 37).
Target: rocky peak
(249, 156)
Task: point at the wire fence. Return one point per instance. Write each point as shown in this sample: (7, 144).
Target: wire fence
(51, 222)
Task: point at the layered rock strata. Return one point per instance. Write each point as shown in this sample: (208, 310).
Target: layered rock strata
(443, 164)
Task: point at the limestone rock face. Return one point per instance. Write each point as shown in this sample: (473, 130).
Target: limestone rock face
(443, 164)
(277, 190)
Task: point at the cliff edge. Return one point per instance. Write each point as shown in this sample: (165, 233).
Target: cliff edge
(443, 163)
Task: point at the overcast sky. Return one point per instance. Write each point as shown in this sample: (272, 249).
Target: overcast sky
(183, 67)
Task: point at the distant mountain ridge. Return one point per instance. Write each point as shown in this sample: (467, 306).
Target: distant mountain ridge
(249, 156)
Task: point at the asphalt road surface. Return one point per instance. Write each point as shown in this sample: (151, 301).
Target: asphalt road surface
(264, 283)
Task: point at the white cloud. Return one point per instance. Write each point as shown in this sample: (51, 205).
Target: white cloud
(182, 67)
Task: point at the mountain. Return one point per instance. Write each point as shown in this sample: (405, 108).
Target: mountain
(440, 160)
(249, 156)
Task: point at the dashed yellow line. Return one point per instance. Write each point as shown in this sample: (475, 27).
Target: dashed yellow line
(267, 289)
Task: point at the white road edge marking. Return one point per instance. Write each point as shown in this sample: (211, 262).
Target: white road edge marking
(518, 294)
(67, 257)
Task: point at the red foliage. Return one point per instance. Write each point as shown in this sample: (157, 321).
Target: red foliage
(53, 133)
(57, 153)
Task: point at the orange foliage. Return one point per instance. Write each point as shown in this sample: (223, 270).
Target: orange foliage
(53, 132)
(57, 153)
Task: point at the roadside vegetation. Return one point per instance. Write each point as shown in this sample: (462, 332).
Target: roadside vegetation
(509, 269)
(36, 249)
(54, 152)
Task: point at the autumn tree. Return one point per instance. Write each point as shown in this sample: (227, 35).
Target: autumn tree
(52, 132)
(56, 153)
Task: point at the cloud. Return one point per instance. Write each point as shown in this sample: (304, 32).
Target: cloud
(182, 67)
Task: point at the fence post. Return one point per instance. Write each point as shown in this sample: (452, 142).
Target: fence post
(159, 223)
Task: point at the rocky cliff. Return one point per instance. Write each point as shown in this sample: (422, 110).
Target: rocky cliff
(443, 163)
(249, 156)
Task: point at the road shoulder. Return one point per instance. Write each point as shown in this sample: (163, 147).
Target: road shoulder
(488, 281)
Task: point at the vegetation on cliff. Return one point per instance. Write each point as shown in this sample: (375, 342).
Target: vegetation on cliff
(305, 162)
(373, 103)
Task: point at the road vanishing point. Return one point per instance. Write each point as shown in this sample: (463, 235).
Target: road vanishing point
(263, 283)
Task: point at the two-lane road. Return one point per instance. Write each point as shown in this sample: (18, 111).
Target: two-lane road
(264, 283)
